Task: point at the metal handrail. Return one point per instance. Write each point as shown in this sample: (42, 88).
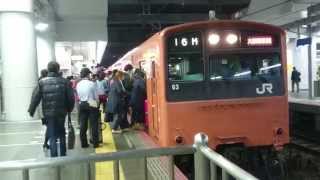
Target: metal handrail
(207, 161)
(26, 165)
(132, 154)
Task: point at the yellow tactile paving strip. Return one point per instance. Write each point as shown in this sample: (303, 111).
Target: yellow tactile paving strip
(104, 170)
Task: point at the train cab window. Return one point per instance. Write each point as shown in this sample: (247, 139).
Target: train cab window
(185, 67)
(244, 67)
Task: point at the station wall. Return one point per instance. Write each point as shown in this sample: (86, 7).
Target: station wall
(298, 57)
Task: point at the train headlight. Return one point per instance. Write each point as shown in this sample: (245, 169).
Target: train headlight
(232, 38)
(213, 39)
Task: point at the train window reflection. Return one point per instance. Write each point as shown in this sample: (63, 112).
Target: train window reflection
(245, 67)
(185, 67)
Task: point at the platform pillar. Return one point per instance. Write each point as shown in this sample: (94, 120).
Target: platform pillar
(18, 54)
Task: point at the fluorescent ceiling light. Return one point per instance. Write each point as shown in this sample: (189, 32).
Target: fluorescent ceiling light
(304, 14)
(42, 26)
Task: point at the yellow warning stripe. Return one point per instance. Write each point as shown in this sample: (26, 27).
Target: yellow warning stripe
(104, 170)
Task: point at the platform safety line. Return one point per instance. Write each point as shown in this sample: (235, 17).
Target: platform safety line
(104, 170)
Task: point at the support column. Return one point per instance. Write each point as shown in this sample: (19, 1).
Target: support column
(45, 50)
(310, 81)
(18, 52)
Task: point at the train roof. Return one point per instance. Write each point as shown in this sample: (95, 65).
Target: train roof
(202, 24)
(224, 23)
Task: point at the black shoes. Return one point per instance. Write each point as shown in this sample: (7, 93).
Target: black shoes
(84, 145)
(46, 146)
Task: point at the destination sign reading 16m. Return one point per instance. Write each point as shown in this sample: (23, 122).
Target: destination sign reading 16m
(185, 42)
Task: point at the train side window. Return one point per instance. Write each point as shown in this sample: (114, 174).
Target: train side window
(185, 67)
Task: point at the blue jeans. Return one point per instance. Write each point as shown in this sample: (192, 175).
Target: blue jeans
(56, 131)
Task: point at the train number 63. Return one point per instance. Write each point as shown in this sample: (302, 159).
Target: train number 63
(175, 87)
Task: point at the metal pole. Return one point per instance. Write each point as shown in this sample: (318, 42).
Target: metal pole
(213, 171)
(116, 175)
(58, 170)
(310, 60)
(89, 170)
(25, 174)
(201, 163)
(224, 175)
(171, 168)
(145, 168)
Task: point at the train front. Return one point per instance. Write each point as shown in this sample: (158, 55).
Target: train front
(228, 80)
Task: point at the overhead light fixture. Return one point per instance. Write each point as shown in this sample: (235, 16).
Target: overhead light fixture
(42, 26)
(213, 39)
(232, 38)
(304, 14)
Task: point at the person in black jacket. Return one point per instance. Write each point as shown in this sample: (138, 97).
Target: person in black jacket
(137, 98)
(57, 99)
(295, 79)
(43, 74)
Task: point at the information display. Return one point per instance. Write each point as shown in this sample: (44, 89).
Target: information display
(189, 41)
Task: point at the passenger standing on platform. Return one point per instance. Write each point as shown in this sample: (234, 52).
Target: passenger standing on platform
(101, 90)
(43, 74)
(57, 99)
(127, 84)
(89, 112)
(115, 103)
(295, 79)
(109, 115)
(137, 99)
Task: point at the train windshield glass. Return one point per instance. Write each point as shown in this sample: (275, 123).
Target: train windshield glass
(185, 57)
(263, 67)
(185, 67)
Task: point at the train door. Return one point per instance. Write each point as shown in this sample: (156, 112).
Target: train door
(154, 101)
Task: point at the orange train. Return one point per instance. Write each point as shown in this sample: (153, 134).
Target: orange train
(224, 78)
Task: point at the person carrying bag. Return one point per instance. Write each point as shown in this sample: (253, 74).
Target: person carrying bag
(89, 112)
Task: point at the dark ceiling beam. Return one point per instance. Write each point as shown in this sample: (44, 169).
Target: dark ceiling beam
(122, 44)
(180, 2)
(314, 9)
(304, 21)
(177, 18)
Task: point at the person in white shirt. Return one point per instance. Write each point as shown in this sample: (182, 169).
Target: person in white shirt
(88, 99)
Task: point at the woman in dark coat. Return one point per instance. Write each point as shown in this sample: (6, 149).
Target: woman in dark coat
(116, 101)
(138, 95)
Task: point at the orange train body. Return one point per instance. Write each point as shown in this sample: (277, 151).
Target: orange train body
(229, 111)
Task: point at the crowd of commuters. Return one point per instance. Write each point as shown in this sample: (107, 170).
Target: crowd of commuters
(119, 94)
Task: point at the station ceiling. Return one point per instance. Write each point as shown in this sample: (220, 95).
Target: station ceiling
(130, 22)
(127, 23)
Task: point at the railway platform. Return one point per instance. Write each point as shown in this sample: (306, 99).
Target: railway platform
(23, 140)
(131, 155)
(304, 114)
